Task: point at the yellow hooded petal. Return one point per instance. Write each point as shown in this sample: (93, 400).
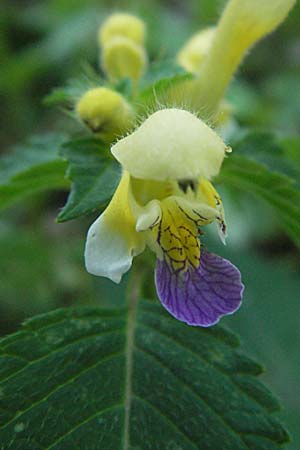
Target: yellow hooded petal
(172, 144)
(112, 240)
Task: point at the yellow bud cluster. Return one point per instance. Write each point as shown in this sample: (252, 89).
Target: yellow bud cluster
(105, 112)
(121, 38)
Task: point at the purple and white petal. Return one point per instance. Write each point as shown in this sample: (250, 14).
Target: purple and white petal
(201, 296)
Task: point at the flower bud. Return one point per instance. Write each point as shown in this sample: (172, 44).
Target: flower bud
(123, 58)
(105, 112)
(125, 25)
(171, 144)
(193, 54)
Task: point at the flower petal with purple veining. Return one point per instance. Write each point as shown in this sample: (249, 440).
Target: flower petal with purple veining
(200, 296)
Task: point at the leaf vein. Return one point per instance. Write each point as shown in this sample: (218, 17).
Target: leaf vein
(57, 350)
(57, 388)
(196, 394)
(174, 426)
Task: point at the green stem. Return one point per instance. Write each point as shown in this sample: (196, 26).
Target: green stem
(134, 291)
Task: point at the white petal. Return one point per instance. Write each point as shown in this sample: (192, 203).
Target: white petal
(107, 253)
(112, 240)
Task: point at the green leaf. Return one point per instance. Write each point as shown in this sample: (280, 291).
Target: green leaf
(266, 148)
(291, 146)
(160, 77)
(32, 167)
(105, 379)
(94, 175)
(263, 172)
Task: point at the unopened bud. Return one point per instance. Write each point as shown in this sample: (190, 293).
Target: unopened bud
(193, 54)
(123, 58)
(105, 112)
(124, 25)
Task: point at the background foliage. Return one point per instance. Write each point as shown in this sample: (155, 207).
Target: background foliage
(46, 43)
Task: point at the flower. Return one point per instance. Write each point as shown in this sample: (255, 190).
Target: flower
(163, 200)
(242, 24)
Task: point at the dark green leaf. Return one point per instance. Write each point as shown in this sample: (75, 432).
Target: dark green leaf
(32, 167)
(102, 379)
(94, 175)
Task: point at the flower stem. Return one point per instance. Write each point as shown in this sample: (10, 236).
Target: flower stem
(133, 295)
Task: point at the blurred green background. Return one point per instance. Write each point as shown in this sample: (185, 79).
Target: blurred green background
(43, 44)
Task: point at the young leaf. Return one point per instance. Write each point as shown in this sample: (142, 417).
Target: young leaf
(32, 167)
(94, 175)
(118, 380)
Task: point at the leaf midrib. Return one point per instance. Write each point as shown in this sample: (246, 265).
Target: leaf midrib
(130, 331)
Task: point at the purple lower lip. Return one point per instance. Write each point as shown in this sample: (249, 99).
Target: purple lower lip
(200, 296)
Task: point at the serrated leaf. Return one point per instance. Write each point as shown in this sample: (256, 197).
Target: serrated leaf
(32, 167)
(263, 172)
(94, 175)
(105, 379)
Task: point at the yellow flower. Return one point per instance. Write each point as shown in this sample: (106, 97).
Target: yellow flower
(166, 163)
(242, 24)
(162, 201)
